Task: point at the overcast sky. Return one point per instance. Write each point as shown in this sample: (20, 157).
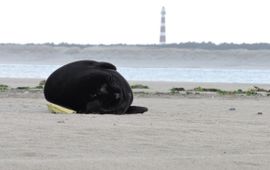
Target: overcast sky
(133, 21)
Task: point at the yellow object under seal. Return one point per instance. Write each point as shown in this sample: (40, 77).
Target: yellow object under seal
(54, 108)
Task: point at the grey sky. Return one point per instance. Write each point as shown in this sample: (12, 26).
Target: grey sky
(133, 21)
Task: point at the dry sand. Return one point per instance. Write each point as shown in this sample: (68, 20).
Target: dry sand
(178, 132)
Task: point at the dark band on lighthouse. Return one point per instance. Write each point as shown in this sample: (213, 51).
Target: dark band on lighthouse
(162, 39)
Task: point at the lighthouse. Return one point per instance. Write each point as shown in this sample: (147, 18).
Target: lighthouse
(162, 38)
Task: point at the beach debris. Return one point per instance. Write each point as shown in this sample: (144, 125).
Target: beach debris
(139, 86)
(258, 89)
(177, 89)
(260, 113)
(251, 92)
(54, 108)
(23, 88)
(188, 92)
(39, 87)
(41, 84)
(61, 121)
(232, 109)
(214, 90)
(201, 89)
(3, 87)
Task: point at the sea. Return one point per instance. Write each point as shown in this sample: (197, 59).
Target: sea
(208, 75)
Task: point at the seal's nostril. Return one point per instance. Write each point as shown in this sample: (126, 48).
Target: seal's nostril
(103, 89)
(117, 95)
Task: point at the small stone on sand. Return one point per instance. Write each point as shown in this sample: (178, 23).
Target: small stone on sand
(60, 121)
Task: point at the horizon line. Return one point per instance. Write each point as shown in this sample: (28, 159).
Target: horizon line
(129, 44)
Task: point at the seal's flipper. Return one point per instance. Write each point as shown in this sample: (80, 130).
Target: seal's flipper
(136, 109)
(91, 107)
(105, 65)
(94, 64)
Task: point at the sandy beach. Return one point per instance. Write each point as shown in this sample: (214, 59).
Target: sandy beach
(178, 132)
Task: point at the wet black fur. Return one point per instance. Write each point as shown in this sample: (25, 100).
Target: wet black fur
(91, 87)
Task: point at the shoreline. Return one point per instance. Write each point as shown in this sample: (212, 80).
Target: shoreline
(25, 88)
(154, 86)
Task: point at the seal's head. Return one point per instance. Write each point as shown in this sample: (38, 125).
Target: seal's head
(111, 97)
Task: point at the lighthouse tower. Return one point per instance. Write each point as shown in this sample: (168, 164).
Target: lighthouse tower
(162, 39)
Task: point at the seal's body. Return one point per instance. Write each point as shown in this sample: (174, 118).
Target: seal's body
(90, 87)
